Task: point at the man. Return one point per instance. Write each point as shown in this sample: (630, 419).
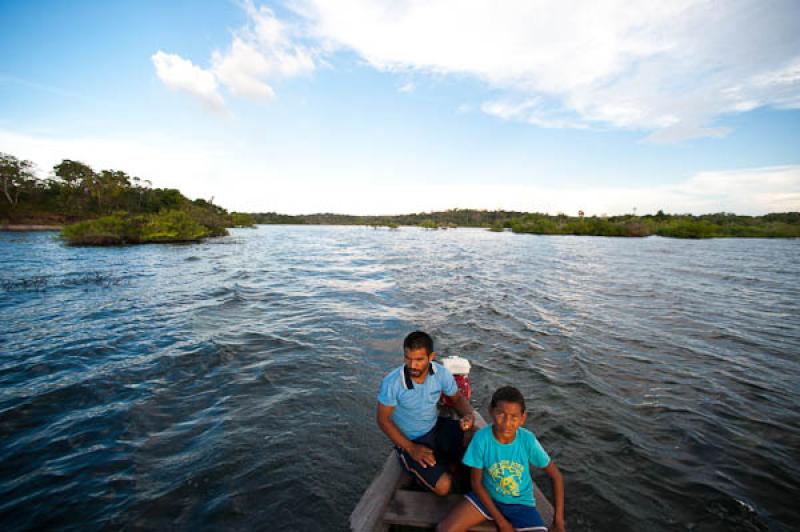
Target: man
(408, 414)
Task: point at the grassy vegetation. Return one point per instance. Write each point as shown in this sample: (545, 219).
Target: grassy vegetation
(242, 219)
(125, 228)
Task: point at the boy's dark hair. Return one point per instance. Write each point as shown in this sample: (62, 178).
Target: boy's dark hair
(508, 394)
(417, 340)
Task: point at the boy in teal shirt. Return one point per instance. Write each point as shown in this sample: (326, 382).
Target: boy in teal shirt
(500, 456)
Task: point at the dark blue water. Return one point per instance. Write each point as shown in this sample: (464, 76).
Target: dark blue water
(231, 384)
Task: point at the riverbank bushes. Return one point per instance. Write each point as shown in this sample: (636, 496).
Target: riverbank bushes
(777, 225)
(125, 228)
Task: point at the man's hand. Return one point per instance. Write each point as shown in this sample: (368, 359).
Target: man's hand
(422, 455)
(467, 422)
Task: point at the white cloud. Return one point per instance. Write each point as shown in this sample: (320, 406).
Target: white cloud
(241, 70)
(664, 67)
(533, 111)
(751, 191)
(408, 87)
(261, 51)
(181, 74)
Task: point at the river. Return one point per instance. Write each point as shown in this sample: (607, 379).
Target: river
(231, 384)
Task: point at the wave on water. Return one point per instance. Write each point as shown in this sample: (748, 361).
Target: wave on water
(38, 283)
(231, 383)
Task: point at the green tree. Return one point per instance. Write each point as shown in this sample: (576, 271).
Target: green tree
(17, 177)
(79, 179)
(109, 188)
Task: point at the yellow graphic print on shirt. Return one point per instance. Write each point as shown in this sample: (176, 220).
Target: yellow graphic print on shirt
(507, 476)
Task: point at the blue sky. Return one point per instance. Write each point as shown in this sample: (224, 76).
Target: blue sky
(392, 107)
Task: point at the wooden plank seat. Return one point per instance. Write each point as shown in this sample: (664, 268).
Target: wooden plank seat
(423, 509)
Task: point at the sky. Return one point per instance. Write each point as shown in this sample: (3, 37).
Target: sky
(390, 107)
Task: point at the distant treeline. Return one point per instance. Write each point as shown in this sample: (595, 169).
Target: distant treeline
(112, 207)
(671, 225)
(450, 218)
(105, 207)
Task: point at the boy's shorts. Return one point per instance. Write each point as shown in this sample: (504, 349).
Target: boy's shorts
(520, 516)
(447, 441)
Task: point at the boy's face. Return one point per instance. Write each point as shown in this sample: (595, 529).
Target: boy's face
(418, 361)
(508, 417)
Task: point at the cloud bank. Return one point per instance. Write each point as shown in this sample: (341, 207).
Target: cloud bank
(669, 68)
(202, 171)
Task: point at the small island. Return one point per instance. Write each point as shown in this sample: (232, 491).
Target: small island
(105, 208)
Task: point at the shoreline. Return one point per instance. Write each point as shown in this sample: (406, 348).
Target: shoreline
(29, 227)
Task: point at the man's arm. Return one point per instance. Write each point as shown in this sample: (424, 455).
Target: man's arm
(476, 478)
(558, 494)
(464, 410)
(418, 452)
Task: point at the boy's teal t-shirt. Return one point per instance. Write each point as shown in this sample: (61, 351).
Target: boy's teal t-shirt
(506, 473)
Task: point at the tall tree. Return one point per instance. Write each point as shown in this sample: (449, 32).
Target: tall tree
(109, 187)
(74, 173)
(17, 176)
(79, 178)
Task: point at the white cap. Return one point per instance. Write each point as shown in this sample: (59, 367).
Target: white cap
(456, 365)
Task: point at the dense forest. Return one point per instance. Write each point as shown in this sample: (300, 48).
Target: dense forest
(105, 207)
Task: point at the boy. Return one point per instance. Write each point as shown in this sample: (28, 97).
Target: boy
(500, 456)
(408, 415)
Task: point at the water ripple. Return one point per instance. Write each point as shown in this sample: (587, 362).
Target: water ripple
(231, 384)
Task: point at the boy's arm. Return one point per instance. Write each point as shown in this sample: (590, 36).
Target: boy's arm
(418, 452)
(558, 494)
(476, 477)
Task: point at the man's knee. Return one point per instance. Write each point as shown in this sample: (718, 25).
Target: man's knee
(443, 485)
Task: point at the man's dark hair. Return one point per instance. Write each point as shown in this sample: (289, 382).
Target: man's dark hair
(508, 394)
(417, 340)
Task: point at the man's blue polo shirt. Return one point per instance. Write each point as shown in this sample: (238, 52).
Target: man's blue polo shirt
(415, 404)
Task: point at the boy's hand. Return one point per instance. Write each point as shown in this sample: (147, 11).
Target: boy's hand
(467, 422)
(422, 455)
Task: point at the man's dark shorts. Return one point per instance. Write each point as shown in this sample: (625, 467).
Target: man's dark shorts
(447, 441)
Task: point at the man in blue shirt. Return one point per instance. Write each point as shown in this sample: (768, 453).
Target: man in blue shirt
(408, 414)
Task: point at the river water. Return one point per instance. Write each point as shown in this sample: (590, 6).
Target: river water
(231, 384)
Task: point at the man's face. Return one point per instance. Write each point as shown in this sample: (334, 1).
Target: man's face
(418, 361)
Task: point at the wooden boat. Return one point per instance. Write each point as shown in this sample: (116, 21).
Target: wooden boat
(393, 502)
